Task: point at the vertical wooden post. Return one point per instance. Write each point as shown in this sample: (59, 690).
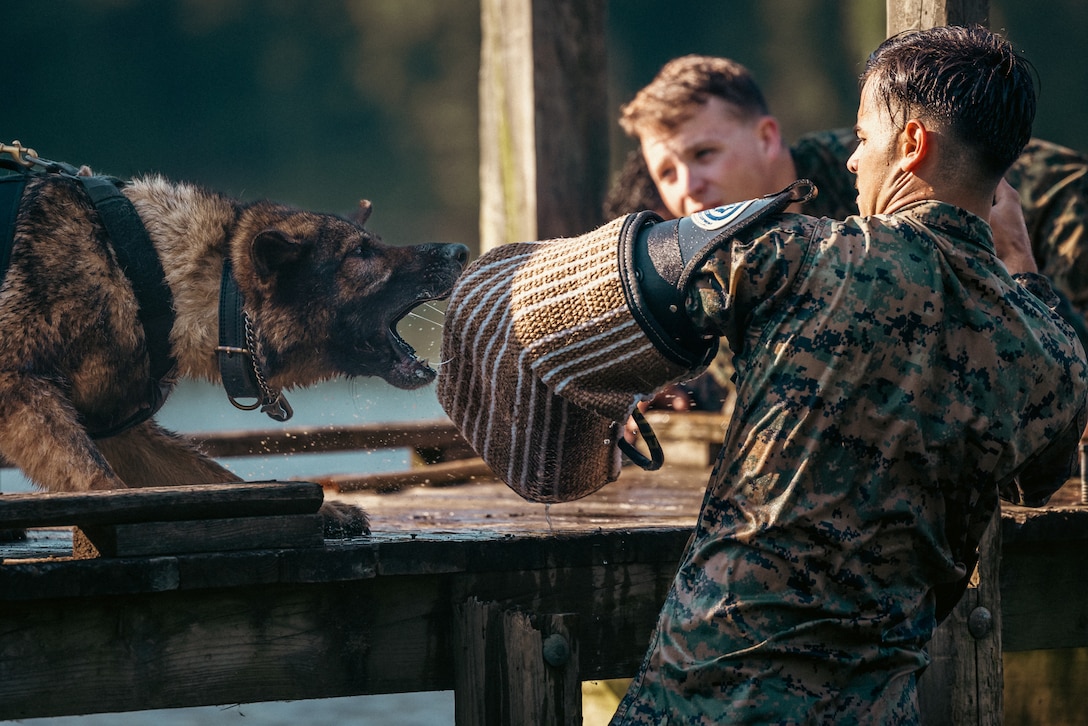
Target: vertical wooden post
(963, 684)
(515, 668)
(543, 119)
(921, 14)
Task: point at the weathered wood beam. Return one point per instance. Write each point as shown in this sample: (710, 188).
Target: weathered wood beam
(158, 504)
(963, 682)
(144, 539)
(543, 122)
(1044, 577)
(439, 433)
(922, 14)
(514, 667)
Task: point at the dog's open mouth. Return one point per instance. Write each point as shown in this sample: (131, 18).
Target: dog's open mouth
(408, 370)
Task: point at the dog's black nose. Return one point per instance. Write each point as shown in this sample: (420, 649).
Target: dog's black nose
(457, 252)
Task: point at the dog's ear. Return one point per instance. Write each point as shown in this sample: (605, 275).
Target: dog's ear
(272, 249)
(362, 214)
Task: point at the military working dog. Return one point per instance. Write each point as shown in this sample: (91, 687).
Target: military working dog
(320, 297)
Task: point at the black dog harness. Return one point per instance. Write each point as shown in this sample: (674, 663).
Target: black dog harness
(11, 193)
(137, 258)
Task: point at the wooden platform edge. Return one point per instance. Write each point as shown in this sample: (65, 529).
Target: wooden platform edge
(232, 534)
(150, 504)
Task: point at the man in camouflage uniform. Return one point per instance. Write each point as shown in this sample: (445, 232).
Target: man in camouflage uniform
(893, 379)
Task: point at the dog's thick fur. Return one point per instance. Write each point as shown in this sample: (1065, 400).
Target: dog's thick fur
(324, 295)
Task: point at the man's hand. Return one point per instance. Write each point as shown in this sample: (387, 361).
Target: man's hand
(1011, 240)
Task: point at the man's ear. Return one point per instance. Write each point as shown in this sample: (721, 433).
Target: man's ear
(769, 134)
(915, 145)
(272, 250)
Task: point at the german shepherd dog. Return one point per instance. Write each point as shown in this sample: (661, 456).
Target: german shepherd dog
(322, 295)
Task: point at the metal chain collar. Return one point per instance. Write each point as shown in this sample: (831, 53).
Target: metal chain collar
(273, 402)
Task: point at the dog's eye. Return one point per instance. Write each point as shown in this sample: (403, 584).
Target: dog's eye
(360, 250)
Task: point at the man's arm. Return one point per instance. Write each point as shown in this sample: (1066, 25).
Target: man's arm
(1045, 472)
(1011, 240)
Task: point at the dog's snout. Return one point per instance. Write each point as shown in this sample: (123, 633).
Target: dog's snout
(458, 253)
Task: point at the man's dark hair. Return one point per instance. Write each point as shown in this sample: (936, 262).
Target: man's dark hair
(968, 80)
(685, 84)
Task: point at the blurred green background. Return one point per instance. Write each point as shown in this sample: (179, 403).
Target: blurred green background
(322, 102)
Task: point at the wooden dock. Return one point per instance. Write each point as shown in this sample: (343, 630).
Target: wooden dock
(462, 586)
(359, 616)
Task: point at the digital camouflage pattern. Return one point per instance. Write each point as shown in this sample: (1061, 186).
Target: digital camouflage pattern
(1053, 185)
(821, 158)
(876, 422)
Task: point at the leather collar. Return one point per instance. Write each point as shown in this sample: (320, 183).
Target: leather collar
(239, 365)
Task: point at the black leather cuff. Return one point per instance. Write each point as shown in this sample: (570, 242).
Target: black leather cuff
(658, 259)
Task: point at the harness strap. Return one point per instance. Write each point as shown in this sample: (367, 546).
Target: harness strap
(141, 265)
(11, 194)
(138, 260)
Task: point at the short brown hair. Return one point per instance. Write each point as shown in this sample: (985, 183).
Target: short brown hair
(683, 84)
(968, 79)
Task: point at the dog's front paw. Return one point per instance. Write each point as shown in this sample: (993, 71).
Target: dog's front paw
(341, 519)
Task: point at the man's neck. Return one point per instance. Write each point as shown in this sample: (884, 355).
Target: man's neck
(785, 173)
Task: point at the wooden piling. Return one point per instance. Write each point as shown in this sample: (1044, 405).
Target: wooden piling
(515, 667)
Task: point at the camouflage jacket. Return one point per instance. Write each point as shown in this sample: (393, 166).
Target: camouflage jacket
(892, 378)
(1053, 185)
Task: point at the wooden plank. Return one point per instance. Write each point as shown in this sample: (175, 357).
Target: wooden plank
(473, 622)
(669, 497)
(439, 433)
(206, 501)
(58, 577)
(562, 669)
(543, 125)
(437, 436)
(692, 438)
(921, 14)
(142, 539)
(423, 436)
